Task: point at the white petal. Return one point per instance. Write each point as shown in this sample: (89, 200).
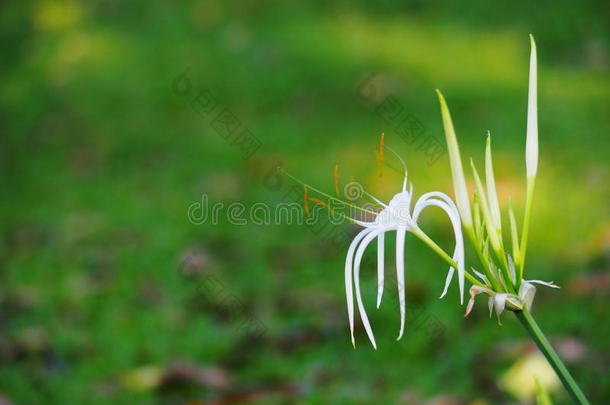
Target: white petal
(526, 294)
(359, 253)
(348, 279)
(443, 201)
(448, 280)
(400, 275)
(363, 223)
(490, 304)
(384, 205)
(480, 275)
(469, 306)
(500, 304)
(380, 267)
(545, 283)
(474, 290)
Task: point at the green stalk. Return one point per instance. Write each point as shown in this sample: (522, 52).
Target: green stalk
(545, 347)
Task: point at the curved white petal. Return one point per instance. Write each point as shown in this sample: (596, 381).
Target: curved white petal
(378, 201)
(348, 279)
(443, 202)
(545, 283)
(448, 280)
(363, 223)
(400, 275)
(500, 304)
(380, 267)
(480, 275)
(490, 304)
(474, 290)
(359, 253)
(527, 291)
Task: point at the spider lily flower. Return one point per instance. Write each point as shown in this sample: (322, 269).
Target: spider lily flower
(527, 291)
(499, 301)
(397, 216)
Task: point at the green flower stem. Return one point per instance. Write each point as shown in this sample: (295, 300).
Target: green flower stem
(545, 347)
(439, 251)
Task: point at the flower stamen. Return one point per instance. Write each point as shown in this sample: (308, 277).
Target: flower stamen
(336, 177)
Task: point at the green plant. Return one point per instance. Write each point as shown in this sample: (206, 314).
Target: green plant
(503, 279)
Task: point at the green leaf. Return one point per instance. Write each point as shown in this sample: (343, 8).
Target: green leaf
(489, 224)
(455, 160)
(531, 150)
(476, 210)
(494, 205)
(514, 237)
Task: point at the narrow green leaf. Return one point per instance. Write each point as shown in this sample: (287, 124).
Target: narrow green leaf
(531, 150)
(489, 224)
(494, 205)
(514, 237)
(455, 160)
(476, 211)
(485, 249)
(494, 235)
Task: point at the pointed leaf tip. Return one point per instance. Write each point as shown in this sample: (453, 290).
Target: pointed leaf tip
(455, 161)
(492, 231)
(492, 195)
(531, 145)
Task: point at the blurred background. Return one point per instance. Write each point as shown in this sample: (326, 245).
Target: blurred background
(124, 123)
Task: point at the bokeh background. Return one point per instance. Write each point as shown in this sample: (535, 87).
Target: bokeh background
(109, 293)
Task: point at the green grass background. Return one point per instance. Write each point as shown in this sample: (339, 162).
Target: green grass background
(100, 160)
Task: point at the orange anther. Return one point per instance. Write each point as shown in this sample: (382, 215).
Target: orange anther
(322, 203)
(336, 176)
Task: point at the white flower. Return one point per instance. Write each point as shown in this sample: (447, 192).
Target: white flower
(500, 301)
(527, 291)
(397, 216)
